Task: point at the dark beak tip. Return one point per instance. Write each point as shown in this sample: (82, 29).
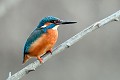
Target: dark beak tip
(69, 22)
(74, 22)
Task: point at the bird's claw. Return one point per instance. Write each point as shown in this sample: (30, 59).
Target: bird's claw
(49, 51)
(40, 59)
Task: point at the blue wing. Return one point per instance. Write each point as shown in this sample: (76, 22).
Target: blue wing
(34, 35)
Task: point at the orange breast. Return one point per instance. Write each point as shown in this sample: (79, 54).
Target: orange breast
(44, 43)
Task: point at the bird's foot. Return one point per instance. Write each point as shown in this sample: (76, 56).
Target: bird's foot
(40, 59)
(49, 51)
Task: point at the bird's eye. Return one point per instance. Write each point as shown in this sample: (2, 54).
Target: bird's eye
(52, 21)
(55, 21)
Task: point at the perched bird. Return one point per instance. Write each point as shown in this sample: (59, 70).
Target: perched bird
(43, 38)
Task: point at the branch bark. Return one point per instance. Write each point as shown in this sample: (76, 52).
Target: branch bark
(66, 44)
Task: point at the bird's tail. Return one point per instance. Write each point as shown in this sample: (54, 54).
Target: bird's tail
(26, 58)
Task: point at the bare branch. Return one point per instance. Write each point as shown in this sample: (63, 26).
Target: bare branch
(66, 44)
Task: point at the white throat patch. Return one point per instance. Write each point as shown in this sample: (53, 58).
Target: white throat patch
(55, 28)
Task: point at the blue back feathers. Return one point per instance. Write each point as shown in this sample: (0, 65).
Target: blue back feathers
(34, 36)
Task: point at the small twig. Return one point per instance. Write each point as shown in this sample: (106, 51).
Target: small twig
(66, 44)
(116, 19)
(27, 71)
(9, 74)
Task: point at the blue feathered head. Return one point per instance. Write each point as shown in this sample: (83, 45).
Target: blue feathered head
(48, 19)
(53, 20)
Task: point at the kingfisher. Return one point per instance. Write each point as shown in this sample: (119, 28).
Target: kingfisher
(43, 38)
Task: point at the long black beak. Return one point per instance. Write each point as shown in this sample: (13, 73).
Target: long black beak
(68, 22)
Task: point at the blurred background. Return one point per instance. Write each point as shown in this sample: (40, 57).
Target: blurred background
(95, 57)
